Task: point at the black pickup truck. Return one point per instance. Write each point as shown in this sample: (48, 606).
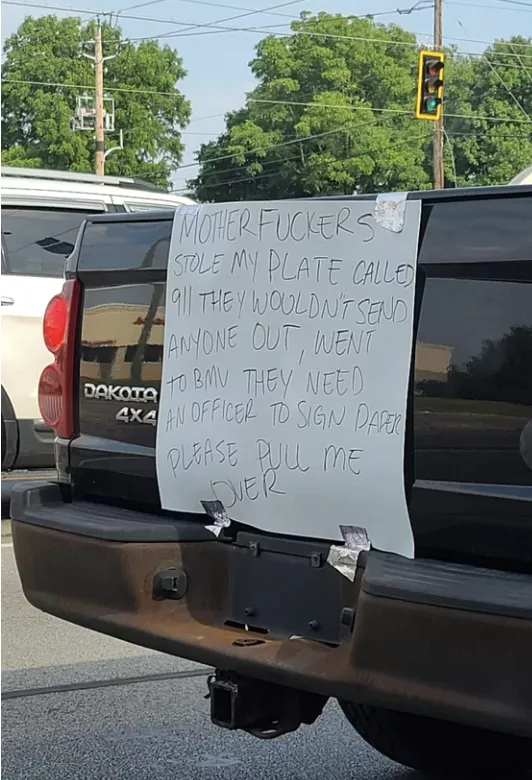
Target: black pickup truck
(430, 658)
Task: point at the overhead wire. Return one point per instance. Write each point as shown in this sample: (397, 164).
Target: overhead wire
(509, 90)
(296, 140)
(271, 30)
(278, 13)
(528, 73)
(195, 26)
(251, 12)
(516, 2)
(260, 29)
(481, 5)
(270, 9)
(503, 82)
(276, 173)
(282, 161)
(386, 110)
(262, 100)
(139, 5)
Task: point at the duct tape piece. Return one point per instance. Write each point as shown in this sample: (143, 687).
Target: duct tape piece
(216, 511)
(189, 210)
(390, 210)
(345, 558)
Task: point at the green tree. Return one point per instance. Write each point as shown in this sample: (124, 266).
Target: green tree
(498, 85)
(37, 119)
(329, 116)
(322, 118)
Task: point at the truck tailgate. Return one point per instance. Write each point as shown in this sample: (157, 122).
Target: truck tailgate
(471, 397)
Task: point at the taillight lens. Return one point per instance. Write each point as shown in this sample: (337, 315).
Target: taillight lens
(51, 395)
(56, 385)
(54, 323)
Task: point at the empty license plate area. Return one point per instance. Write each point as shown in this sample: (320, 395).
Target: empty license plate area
(283, 588)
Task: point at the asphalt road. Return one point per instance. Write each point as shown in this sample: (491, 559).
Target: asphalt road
(76, 706)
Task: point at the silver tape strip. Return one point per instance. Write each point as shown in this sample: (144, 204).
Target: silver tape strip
(344, 558)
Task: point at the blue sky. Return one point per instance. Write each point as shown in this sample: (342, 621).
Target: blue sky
(217, 62)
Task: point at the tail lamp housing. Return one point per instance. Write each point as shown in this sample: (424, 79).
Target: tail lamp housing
(56, 384)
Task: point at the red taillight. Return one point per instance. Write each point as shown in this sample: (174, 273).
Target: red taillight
(56, 385)
(54, 323)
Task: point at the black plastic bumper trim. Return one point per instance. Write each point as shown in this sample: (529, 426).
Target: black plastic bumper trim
(44, 505)
(440, 584)
(419, 581)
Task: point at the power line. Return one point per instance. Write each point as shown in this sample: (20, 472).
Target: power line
(503, 82)
(295, 140)
(270, 30)
(386, 110)
(238, 8)
(276, 173)
(493, 55)
(490, 7)
(277, 13)
(187, 25)
(454, 134)
(516, 2)
(139, 5)
(479, 117)
(88, 86)
(507, 88)
(528, 73)
(497, 136)
(281, 144)
(218, 27)
(236, 168)
(194, 2)
(253, 12)
(209, 116)
(508, 65)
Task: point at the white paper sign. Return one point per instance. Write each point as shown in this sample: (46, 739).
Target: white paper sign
(287, 349)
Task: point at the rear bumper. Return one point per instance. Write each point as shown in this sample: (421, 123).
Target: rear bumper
(445, 641)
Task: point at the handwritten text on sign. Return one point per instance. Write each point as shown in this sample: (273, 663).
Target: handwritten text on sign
(287, 347)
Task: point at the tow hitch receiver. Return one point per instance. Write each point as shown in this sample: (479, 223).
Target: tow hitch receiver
(266, 711)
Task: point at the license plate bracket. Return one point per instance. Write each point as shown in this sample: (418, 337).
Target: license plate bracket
(286, 588)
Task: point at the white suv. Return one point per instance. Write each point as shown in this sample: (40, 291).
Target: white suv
(41, 214)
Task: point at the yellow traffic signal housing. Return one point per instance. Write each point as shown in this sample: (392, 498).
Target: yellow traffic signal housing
(429, 85)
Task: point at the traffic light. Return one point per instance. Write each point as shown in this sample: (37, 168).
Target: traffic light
(429, 85)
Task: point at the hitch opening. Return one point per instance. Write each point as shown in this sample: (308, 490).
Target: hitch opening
(266, 711)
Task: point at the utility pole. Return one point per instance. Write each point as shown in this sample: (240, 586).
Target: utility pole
(98, 69)
(91, 113)
(438, 136)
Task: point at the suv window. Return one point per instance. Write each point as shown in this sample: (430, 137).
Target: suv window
(38, 241)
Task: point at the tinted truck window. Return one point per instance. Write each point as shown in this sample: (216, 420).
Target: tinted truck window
(126, 245)
(489, 230)
(38, 241)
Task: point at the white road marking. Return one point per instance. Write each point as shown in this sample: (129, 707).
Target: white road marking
(7, 544)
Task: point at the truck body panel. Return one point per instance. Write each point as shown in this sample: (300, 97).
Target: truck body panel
(471, 398)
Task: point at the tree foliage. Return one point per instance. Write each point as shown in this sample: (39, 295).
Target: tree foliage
(495, 86)
(37, 119)
(328, 116)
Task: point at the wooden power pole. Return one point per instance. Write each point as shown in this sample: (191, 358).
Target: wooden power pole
(438, 137)
(98, 68)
